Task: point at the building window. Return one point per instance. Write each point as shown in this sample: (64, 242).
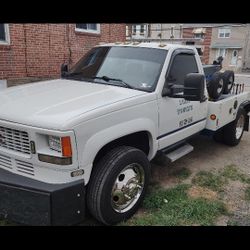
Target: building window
(224, 33)
(88, 27)
(142, 30)
(4, 33)
(134, 29)
(199, 35)
(221, 52)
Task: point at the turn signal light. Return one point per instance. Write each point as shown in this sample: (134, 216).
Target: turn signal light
(66, 146)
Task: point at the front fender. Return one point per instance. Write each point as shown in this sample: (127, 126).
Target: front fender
(107, 135)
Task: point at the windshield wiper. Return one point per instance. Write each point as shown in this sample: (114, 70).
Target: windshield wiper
(107, 79)
(77, 76)
(73, 74)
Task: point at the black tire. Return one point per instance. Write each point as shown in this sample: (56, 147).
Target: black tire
(229, 135)
(228, 77)
(107, 171)
(216, 86)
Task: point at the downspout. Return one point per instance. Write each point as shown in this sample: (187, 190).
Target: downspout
(25, 49)
(68, 40)
(109, 32)
(49, 50)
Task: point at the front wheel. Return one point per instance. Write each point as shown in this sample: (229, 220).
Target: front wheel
(118, 185)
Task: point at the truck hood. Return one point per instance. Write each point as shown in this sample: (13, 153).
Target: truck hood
(51, 104)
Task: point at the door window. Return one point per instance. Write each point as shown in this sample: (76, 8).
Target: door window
(182, 65)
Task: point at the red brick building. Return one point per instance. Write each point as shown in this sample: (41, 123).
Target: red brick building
(205, 34)
(38, 50)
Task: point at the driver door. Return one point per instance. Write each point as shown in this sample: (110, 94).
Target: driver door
(179, 118)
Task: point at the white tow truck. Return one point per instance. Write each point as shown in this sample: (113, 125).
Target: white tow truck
(86, 140)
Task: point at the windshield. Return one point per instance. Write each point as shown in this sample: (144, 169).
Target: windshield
(137, 68)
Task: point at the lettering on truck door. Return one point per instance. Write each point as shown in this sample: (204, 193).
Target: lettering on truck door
(179, 118)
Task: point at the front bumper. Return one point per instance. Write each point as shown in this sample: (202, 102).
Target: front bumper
(32, 202)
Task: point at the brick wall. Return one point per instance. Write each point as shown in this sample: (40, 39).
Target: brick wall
(188, 33)
(38, 50)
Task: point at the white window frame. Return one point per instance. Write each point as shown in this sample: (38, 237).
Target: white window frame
(218, 53)
(144, 29)
(7, 35)
(136, 30)
(97, 31)
(223, 31)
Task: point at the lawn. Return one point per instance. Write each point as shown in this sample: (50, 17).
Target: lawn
(201, 202)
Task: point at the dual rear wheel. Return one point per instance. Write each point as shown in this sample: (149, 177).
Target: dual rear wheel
(232, 133)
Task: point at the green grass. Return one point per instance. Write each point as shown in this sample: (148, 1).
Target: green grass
(232, 222)
(173, 207)
(209, 180)
(243, 220)
(231, 172)
(182, 173)
(5, 223)
(247, 194)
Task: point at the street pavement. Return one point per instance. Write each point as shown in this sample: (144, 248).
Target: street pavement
(243, 78)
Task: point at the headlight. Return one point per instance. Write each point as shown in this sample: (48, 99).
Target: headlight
(61, 145)
(55, 143)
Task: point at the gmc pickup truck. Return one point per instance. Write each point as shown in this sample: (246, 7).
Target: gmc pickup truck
(85, 141)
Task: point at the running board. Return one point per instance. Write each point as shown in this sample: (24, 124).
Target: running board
(179, 152)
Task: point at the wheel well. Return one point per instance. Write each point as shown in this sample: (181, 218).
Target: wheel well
(138, 140)
(247, 109)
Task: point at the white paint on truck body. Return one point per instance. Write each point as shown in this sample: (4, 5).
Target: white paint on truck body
(224, 110)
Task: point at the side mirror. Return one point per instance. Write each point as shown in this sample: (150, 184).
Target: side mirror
(64, 69)
(194, 86)
(193, 89)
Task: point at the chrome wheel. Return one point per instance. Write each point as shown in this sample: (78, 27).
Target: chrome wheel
(220, 86)
(240, 127)
(127, 188)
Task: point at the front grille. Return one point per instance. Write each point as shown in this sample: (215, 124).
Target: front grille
(25, 167)
(5, 162)
(15, 140)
